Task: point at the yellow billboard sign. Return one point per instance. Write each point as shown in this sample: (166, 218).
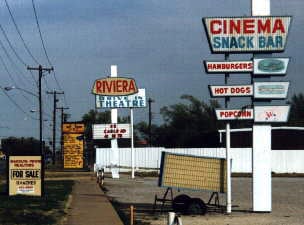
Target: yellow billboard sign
(25, 175)
(73, 151)
(73, 128)
(193, 172)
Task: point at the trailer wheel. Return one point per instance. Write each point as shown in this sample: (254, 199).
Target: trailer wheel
(180, 203)
(196, 206)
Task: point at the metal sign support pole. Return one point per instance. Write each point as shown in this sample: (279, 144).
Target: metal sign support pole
(114, 145)
(228, 157)
(132, 145)
(261, 146)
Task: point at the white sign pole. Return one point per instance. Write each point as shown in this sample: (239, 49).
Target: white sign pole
(261, 149)
(228, 157)
(132, 145)
(114, 145)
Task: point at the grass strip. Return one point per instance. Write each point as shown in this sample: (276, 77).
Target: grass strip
(29, 210)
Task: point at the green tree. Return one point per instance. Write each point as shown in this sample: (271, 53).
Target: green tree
(190, 124)
(296, 116)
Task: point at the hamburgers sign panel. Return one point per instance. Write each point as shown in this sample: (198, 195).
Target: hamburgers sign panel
(114, 86)
(247, 34)
(228, 66)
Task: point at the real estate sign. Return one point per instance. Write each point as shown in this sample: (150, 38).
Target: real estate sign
(25, 175)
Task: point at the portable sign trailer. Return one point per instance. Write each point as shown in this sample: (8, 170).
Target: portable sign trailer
(187, 172)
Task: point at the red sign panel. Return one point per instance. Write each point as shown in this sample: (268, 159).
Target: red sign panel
(231, 90)
(234, 114)
(115, 86)
(229, 66)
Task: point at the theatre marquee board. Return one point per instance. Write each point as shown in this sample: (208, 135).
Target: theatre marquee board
(192, 172)
(111, 131)
(247, 34)
(25, 175)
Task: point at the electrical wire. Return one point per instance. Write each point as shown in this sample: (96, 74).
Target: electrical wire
(17, 105)
(15, 52)
(14, 65)
(19, 33)
(44, 48)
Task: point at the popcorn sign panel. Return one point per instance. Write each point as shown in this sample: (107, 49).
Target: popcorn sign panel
(247, 34)
(25, 175)
(111, 131)
(234, 114)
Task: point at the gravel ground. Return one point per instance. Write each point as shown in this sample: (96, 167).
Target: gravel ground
(287, 202)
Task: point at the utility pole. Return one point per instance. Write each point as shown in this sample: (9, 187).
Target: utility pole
(63, 119)
(150, 100)
(54, 93)
(40, 70)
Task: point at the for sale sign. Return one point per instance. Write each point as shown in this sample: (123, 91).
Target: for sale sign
(231, 90)
(247, 34)
(234, 114)
(25, 175)
(228, 66)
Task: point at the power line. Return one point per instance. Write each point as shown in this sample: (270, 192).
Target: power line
(17, 105)
(19, 33)
(44, 49)
(13, 63)
(40, 34)
(14, 51)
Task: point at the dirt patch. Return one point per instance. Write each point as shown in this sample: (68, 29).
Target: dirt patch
(287, 202)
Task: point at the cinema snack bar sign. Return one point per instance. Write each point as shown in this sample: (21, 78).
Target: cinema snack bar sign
(247, 34)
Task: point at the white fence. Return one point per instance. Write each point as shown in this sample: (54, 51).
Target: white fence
(283, 161)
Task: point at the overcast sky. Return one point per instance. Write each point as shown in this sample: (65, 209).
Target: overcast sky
(161, 44)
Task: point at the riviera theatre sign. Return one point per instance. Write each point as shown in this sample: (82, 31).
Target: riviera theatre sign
(247, 34)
